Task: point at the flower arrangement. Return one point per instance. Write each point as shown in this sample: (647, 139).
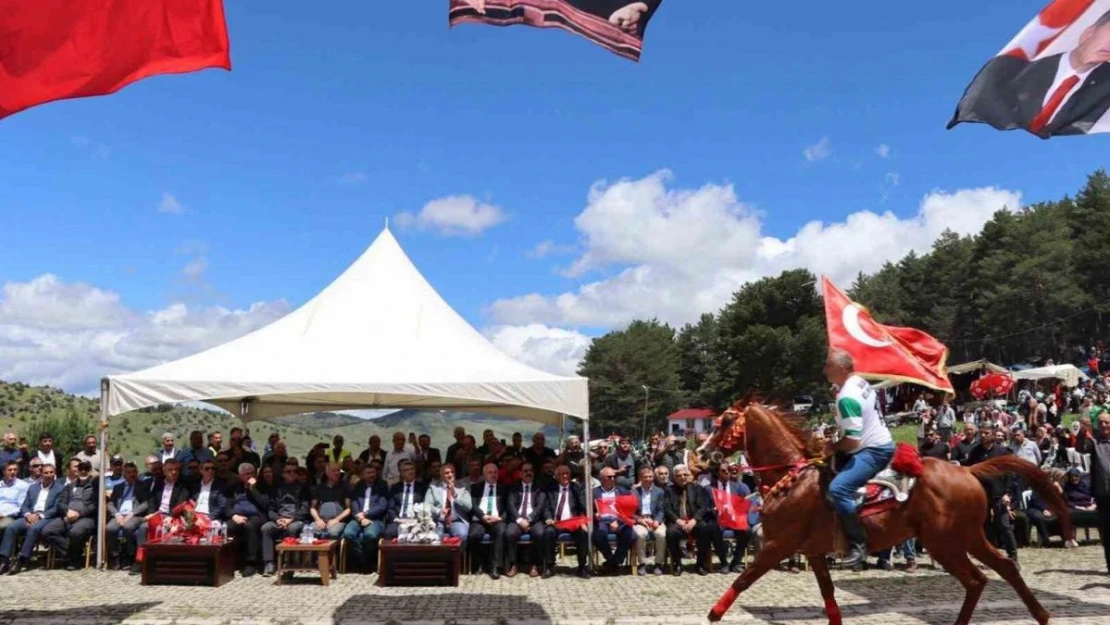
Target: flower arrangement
(420, 528)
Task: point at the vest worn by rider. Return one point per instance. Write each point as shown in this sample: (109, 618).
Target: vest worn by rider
(857, 415)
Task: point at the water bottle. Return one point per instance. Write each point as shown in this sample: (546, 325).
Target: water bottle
(306, 535)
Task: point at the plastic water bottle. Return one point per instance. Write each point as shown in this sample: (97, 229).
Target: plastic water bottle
(306, 535)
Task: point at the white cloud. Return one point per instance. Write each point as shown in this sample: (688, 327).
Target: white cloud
(818, 151)
(455, 215)
(883, 151)
(70, 334)
(549, 248)
(353, 178)
(170, 205)
(893, 178)
(554, 350)
(679, 253)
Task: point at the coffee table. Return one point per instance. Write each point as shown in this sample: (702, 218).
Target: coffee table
(326, 559)
(406, 564)
(178, 564)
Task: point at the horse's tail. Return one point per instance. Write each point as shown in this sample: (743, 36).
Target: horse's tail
(1033, 477)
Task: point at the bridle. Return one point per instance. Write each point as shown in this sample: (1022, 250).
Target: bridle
(794, 468)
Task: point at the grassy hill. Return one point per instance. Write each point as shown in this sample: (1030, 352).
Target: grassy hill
(26, 409)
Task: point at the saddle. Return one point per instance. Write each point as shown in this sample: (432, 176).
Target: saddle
(890, 487)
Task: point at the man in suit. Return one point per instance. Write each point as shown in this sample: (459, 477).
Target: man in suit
(76, 520)
(1062, 94)
(728, 490)
(527, 505)
(369, 504)
(688, 513)
(288, 512)
(165, 495)
(127, 506)
(402, 497)
(245, 507)
(209, 493)
(607, 523)
(488, 517)
(649, 521)
(39, 508)
(565, 501)
(452, 505)
(167, 451)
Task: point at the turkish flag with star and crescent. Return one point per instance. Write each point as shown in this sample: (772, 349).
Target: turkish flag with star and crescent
(883, 352)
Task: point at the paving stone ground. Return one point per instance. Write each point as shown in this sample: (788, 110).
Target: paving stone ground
(1072, 584)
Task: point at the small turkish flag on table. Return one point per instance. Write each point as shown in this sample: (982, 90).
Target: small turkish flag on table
(58, 49)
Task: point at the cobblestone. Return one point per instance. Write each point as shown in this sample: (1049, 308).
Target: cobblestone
(1072, 585)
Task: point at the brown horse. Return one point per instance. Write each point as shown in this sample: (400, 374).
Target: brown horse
(946, 510)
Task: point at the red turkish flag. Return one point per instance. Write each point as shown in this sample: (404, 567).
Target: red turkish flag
(622, 506)
(884, 352)
(59, 49)
(732, 510)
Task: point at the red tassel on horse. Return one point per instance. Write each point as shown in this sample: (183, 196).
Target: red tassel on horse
(907, 460)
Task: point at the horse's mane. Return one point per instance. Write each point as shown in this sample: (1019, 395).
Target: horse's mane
(794, 423)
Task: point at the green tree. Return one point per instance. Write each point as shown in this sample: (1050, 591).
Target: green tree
(619, 364)
(68, 430)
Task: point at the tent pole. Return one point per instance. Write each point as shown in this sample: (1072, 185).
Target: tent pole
(562, 429)
(102, 508)
(586, 466)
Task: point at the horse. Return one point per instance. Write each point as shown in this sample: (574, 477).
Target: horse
(946, 509)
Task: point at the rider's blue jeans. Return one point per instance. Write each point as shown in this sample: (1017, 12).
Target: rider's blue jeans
(861, 466)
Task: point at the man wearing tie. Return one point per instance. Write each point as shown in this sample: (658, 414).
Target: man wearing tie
(402, 497)
(727, 489)
(128, 504)
(608, 523)
(452, 504)
(565, 501)
(649, 521)
(527, 505)
(369, 504)
(488, 517)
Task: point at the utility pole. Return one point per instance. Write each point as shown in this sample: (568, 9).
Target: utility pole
(643, 430)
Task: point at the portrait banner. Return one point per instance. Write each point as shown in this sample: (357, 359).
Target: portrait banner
(617, 25)
(1052, 79)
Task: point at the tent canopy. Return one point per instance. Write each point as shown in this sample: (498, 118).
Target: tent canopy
(378, 336)
(1069, 374)
(976, 365)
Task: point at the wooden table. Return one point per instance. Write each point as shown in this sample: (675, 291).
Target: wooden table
(404, 564)
(180, 564)
(326, 559)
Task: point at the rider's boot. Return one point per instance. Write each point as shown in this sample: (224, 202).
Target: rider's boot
(857, 540)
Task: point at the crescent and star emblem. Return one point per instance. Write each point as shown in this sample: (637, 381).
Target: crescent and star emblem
(850, 318)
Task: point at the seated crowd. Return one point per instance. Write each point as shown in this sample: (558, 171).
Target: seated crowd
(501, 501)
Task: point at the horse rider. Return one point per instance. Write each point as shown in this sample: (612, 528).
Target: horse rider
(864, 438)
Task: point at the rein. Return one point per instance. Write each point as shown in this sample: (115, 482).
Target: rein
(795, 468)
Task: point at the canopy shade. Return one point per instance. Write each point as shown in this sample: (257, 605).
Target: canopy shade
(976, 365)
(378, 336)
(1069, 374)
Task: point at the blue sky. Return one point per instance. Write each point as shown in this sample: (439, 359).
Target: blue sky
(285, 168)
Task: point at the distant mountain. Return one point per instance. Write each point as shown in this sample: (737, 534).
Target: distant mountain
(317, 420)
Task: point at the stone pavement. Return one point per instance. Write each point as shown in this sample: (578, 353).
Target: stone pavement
(1072, 584)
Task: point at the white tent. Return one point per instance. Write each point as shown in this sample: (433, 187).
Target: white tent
(1069, 374)
(378, 336)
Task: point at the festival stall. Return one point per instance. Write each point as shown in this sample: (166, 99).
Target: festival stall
(379, 336)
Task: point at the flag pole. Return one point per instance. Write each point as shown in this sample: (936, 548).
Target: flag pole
(102, 511)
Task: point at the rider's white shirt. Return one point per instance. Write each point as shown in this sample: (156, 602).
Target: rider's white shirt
(857, 414)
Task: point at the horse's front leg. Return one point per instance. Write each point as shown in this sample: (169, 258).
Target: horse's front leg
(828, 591)
(769, 557)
